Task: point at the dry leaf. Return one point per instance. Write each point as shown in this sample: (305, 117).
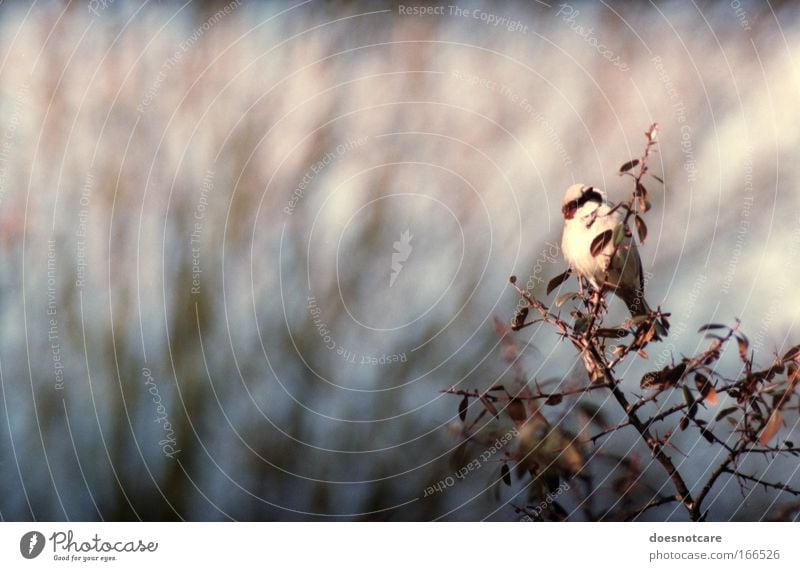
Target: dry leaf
(771, 429)
(600, 242)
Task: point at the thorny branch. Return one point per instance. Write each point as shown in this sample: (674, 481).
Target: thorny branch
(752, 403)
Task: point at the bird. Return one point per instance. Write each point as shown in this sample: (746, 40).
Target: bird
(587, 217)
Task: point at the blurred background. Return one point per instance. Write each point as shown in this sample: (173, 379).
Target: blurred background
(246, 246)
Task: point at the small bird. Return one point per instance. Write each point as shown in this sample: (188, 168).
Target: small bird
(587, 216)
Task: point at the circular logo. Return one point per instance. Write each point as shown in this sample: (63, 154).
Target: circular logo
(31, 544)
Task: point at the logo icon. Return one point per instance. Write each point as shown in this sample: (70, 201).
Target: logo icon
(31, 544)
(402, 250)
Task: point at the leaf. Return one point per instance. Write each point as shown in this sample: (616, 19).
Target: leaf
(505, 473)
(513, 279)
(792, 354)
(462, 409)
(743, 346)
(554, 400)
(658, 178)
(726, 411)
(557, 281)
(565, 297)
(690, 401)
(707, 434)
(641, 228)
(771, 429)
(600, 242)
(641, 191)
(706, 389)
(708, 326)
(619, 234)
(516, 410)
(629, 165)
(489, 405)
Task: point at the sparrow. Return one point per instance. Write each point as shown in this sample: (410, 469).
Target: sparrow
(587, 215)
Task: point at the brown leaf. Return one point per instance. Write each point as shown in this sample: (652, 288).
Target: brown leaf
(771, 429)
(629, 165)
(554, 400)
(706, 389)
(792, 354)
(516, 410)
(707, 434)
(743, 346)
(641, 191)
(557, 281)
(489, 405)
(462, 409)
(641, 228)
(658, 178)
(600, 242)
(513, 279)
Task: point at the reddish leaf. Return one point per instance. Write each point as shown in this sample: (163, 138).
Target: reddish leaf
(792, 354)
(771, 429)
(743, 346)
(706, 389)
